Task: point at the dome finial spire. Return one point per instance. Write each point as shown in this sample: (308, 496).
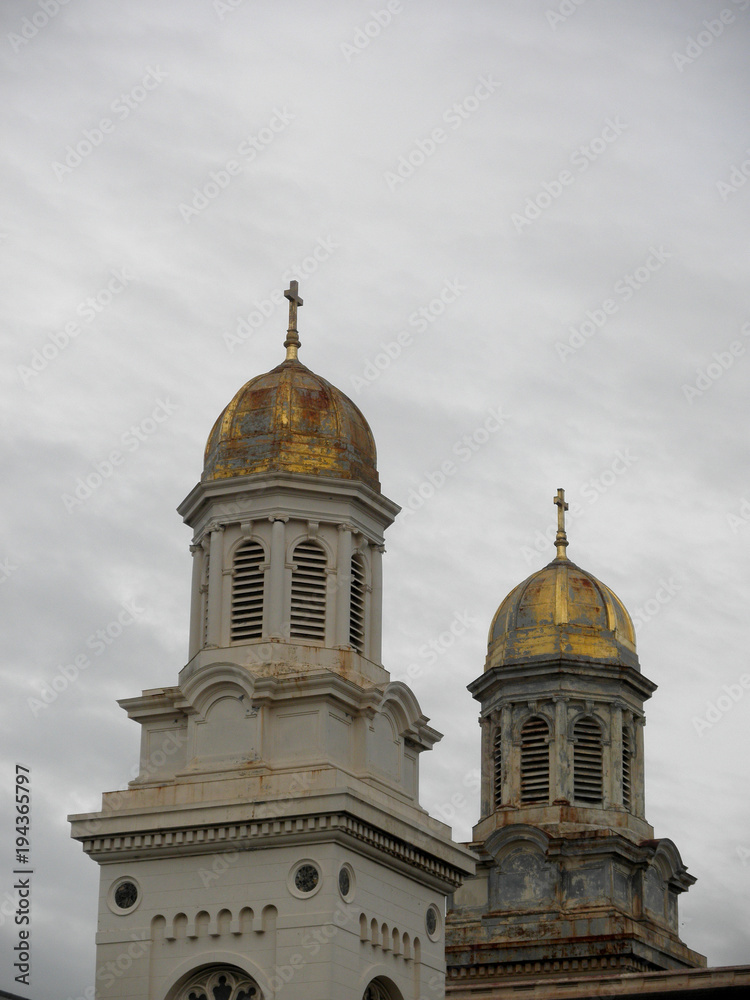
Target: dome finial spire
(561, 539)
(292, 341)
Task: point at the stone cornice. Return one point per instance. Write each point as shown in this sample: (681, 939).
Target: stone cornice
(552, 670)
(340, 827)
(269, 486)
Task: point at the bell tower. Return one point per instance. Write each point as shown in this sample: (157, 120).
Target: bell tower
(571, 878)
(273, 844)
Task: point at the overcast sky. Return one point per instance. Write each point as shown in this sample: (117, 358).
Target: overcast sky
(521, 223)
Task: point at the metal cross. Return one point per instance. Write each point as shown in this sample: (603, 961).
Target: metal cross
(294, 300)
(561, 539)
(559, 502)
(292, 341)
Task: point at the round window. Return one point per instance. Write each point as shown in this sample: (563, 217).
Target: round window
(124, 895)
(345, 883)
(306, 878)
(432, 922)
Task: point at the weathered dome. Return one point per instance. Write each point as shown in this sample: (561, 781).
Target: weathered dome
(291, 420)
(561, 612)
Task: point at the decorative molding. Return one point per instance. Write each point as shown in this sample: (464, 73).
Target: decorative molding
(210, 839)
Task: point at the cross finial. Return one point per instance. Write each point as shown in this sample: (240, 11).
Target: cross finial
(561, 539)
(292, 341)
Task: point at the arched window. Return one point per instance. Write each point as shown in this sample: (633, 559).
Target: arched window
(225, 982)
(247, 592)
(308, 611)
(381, 989)
(357, 605)
(587, 762)
(497, 760)
(627, 760)
(535, 760)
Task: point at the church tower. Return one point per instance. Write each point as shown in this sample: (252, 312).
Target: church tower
(571, 879)
(273, 844)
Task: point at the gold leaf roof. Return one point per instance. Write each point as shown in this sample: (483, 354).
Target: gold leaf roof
(291, 420)
(561, 612)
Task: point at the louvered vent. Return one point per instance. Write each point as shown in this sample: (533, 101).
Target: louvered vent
(247, 592)
(587, 762)
(357, 606)
(308, 613)
(497, 757)
(627, 758)
(535, 761)
(204, 591)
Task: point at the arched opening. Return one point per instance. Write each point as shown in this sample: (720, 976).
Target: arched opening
(247, 592)
(382, 989)
(497, 760)
(357, 604)
(535, 760)
(218, 982)
(588, 770)
(308, 608)
(627, 768)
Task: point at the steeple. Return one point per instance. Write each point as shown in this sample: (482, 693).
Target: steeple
(570, 868)
(273, 837)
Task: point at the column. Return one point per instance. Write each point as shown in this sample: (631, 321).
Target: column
(215, 581)
(343, 585)
(374, 638)
(561, 774)
(195, 601)
(506, 749)
(639, 776)
(276, 579)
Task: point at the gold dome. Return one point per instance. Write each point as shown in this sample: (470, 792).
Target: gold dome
(561, 612)
(291, 420)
